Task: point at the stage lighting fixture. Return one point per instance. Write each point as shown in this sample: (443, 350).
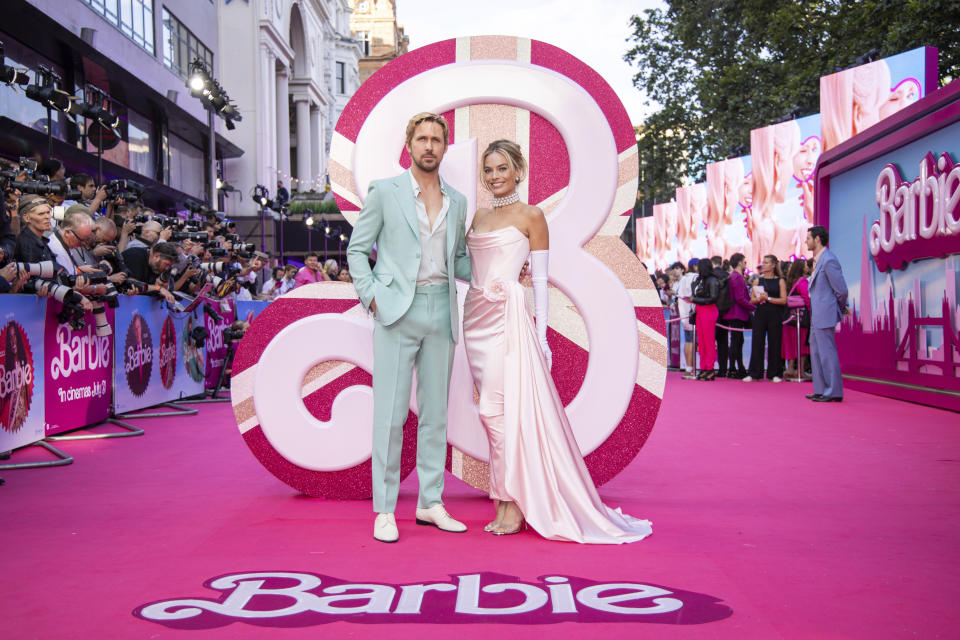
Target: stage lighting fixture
(11, 75)
(219, 184)
(343, 238)
(50, 97)
(261, 195)
(197, 83)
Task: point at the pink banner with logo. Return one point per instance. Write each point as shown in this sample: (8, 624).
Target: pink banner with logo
(216, 345)
(78, 369)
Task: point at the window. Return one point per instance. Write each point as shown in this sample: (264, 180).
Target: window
(186, 166)
(341, 78)
(364, 38)
(181, 47)
(133, 17)
(16, 105)
(140, 141)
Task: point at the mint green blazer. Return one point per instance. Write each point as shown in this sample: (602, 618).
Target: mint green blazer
(389, 220)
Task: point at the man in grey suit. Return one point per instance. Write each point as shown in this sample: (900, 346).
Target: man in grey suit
(417, 222)
(828, 304)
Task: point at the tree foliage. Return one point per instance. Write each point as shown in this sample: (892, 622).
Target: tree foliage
(719, 68)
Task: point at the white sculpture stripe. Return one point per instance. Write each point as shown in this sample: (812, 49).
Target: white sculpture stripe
(627, 153)
(651, 375)
(523, 139)
(326, 378)
(341, 149)
(347, 195)
(463, 49)
(523, 50)
(652, 333)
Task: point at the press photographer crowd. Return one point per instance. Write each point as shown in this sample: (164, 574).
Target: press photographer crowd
(85, 244)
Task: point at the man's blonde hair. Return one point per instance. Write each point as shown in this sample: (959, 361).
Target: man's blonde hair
(426, 116)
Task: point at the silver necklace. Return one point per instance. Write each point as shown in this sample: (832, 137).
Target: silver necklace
(505, 200)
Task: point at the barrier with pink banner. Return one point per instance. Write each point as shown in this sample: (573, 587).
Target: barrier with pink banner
(157, 361)
(78, 371)
(21, 385)
(216, 345)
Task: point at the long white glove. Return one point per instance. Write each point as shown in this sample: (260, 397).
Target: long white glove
(541, 299)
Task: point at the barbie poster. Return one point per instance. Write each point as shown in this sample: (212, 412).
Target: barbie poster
(855, 99)
(784, 160)
(691, 220)
(665, 242)
(729, 199)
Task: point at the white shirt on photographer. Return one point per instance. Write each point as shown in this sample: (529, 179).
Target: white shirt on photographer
(62, 254)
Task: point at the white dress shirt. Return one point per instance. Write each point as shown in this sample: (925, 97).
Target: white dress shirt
(433, 241)
(62, 254)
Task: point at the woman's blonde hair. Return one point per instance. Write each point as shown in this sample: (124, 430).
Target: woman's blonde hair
(509, 150)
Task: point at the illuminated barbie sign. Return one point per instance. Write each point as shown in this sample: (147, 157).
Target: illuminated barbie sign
(919, 219)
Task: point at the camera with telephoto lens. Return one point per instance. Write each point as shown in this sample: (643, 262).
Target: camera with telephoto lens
(131, 285)
(98, 277)
(128, 190)
(72, 312)
(196, 236)
(199, 335)
(231, 334)
(45, 188)
(46, 269)
(217, 252)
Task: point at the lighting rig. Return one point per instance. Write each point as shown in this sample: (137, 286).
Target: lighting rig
(202, 85)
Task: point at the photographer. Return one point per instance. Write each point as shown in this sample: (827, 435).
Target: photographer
(53, 169)
(271, 288)
(72, 233)
(150, 234)
(31, 245)
(9, 224)
(91, 196)
(151, 265)
(100, 251)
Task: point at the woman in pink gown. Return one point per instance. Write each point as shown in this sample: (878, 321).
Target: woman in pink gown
(537, 473)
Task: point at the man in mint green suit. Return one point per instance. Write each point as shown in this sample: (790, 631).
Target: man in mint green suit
(417, 223)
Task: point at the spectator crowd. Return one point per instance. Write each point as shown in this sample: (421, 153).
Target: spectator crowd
(715, 301)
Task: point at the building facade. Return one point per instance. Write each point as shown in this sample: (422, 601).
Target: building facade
(292, 68)
(374, 25)
(137, 52)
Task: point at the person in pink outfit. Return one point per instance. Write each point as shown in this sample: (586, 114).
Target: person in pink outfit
(706, 290)
(537, 473)
(310, 272)
(797, 285)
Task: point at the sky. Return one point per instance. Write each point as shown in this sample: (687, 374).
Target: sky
(595, 32)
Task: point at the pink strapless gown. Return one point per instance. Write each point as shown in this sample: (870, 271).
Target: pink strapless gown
(534, 457)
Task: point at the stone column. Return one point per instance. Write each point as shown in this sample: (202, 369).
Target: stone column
(316, 148)
(269, 131)
(283, 128)
(304, 167)
(265, 122)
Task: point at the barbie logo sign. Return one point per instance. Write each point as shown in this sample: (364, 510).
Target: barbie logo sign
(79, 352)
(286, 599)
(919, 219)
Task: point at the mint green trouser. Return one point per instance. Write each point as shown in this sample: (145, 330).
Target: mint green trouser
(422, 338)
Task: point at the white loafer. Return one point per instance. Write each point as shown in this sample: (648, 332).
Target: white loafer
(438, 517)
(385, 528)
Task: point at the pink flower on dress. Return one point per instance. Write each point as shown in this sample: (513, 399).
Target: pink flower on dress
(496, 291)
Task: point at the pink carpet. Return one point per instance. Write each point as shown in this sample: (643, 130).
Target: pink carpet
(773, 517)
